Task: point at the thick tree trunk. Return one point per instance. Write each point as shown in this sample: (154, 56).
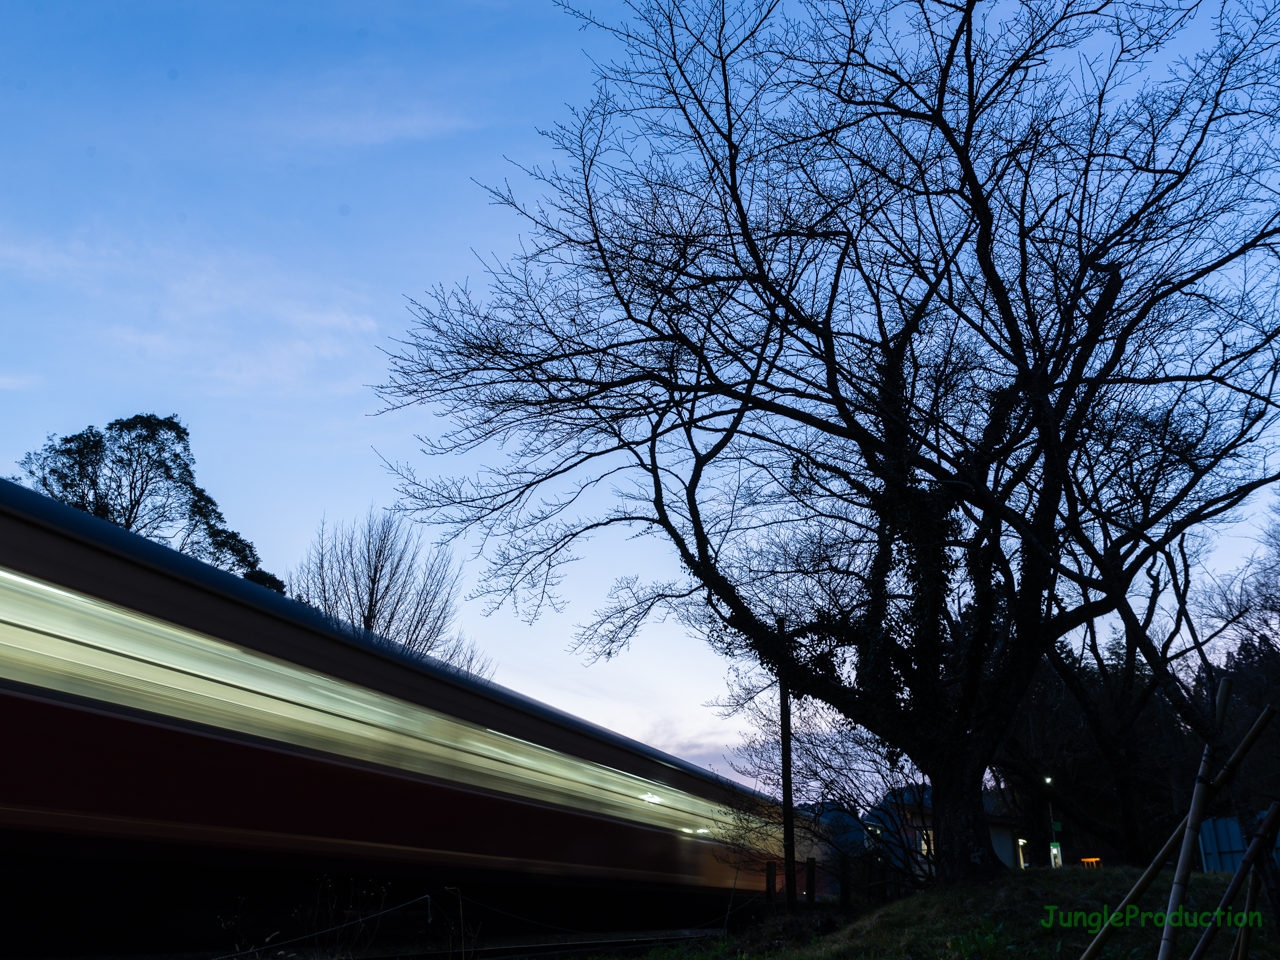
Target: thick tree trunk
(962, 838)
(1130, 835)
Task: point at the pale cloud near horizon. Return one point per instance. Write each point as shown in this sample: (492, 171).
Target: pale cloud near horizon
(705, 747)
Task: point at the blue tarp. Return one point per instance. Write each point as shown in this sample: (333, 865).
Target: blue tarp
(1222, 846)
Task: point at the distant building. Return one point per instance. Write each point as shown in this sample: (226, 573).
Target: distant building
(900, 828)
(1222, 845)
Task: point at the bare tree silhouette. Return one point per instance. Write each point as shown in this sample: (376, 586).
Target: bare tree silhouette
(378, 576)
(924, 333)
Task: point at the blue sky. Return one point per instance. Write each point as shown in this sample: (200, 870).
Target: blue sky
(218, 210)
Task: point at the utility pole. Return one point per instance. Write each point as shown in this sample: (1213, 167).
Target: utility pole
(788, 810)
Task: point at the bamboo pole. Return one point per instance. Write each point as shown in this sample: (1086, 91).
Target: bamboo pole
(1149, 876)
(1261, 846)
(1191, 835)
(1240, 949)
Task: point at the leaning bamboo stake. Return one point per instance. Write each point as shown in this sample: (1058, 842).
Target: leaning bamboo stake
(1138, 890)
(1149, 876)
(1191, 835)
(1260, 847)
(1240, 949)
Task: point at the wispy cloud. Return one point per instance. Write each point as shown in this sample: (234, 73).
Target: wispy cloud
(358, 125)
(353, 107)
(47, 260)
(238, 322)
(21, 381)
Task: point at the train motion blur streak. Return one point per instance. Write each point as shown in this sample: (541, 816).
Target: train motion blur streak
(186, 753)
(57, 639)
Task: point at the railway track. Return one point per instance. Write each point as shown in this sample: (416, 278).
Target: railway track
(628, 946)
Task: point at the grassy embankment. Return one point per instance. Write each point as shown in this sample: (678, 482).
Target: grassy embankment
(998, 919)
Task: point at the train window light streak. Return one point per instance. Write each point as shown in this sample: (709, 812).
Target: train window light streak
(61, 640)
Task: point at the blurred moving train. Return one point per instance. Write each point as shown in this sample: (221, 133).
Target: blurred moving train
(191, 762)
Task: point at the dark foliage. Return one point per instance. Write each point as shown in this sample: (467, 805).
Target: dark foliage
(1254, 668)
(1120, 793)
(139, 474)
